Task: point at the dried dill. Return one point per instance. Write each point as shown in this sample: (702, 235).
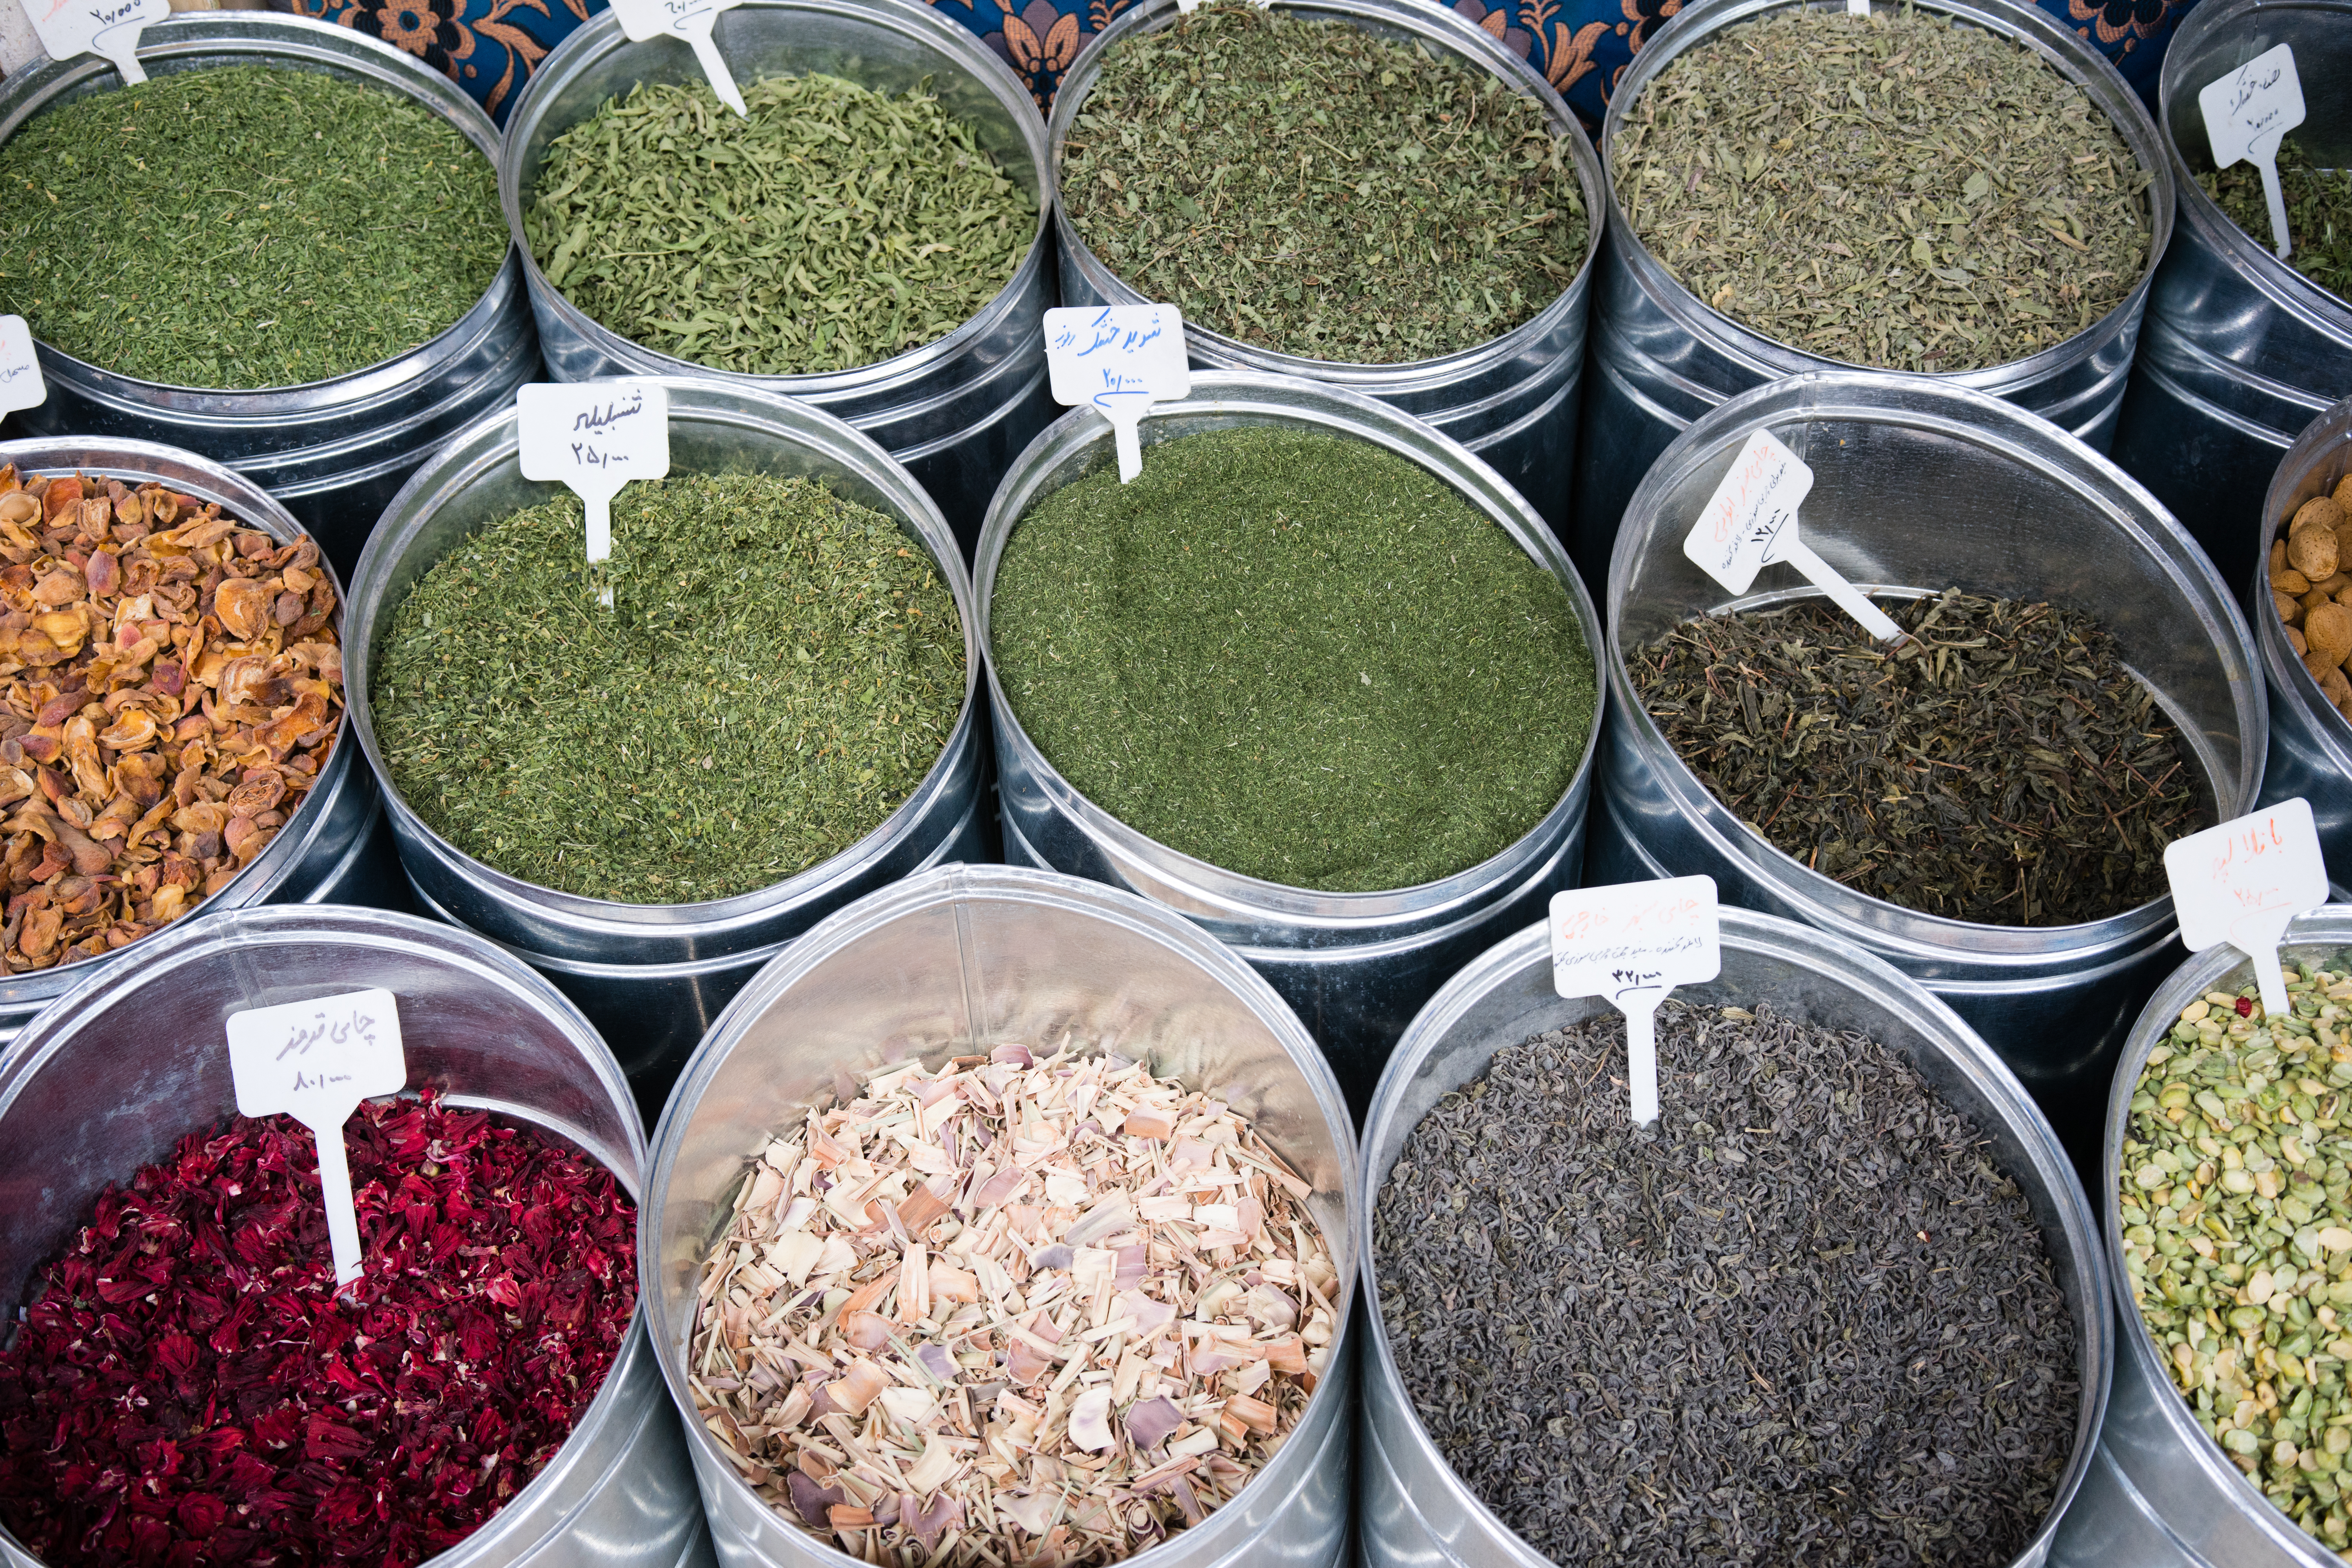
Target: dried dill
(779, 671)
(2318, 212)
(1804, 1319)
(2016, 773)
(1294, 656)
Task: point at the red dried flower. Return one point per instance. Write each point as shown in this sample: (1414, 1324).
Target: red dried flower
(188, 1388)
(2245, 1007)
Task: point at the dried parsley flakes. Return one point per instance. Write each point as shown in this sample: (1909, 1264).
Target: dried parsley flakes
(780, 671)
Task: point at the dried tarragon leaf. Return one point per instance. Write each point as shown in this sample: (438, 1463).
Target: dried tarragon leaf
(1051, 1307)
(171, 684)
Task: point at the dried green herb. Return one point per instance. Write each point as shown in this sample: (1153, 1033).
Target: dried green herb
(1901, 191)
(2007, 769)
(832, 228)
(1295, 656)
(2318, 213)
(779, 671)
(244, 226)
(1309, 187)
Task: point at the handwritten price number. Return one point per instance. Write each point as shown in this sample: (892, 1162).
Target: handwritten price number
(1633, 945)
(595, 436)
(2247, 114)
(20, 367)
(108, 28)
(1118, 360)
(2242, 881)
(1740, 531)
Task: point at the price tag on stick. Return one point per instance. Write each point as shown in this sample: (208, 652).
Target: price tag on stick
(1751, 522)
(108, 28)
(595, 436)
(691, 20)
(1119, 360)
(2242, 881)
(315, 1061)
(1632, 944)
(2247, 114)
(20, 367)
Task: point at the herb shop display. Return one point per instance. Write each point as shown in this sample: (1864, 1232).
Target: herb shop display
(2311, 590)
(2318, 212)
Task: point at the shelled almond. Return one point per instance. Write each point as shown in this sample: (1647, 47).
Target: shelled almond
(2311, 588)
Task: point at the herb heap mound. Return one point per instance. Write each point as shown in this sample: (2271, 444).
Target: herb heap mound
(779, 671)
(1029, 1309)
(190, 1387)
(244, 226)
(2318, 212)
(2311, 589)
(1801, 1320)
(170, 688)
(1311, 188)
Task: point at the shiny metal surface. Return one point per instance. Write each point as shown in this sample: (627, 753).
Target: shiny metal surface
(1355, 965)
(2239, 351)
(2169, 1495)
(1661, 358)
(1511, 400)
(962, 958)
(1416, 1512)
(2311, 742)
(333, 451)
(954, 410)
(2021, 509)
(114, 1075)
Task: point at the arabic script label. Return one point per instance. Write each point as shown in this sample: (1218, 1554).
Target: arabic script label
(1636, 937)
(595, 436)
(1751, 519)
(2249, 111)
(1114, 356)
(20, 367)
(315, 1061)
(2247, 877)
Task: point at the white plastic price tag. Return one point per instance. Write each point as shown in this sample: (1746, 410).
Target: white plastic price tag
(595, 436)
(2242, 881)
(1632, 944)
(2247, 114)
(20, 368)
(691, 20)
(1751, 522)
(1120, 359)
(1857, 8)
(108, 28)
(315, 1061)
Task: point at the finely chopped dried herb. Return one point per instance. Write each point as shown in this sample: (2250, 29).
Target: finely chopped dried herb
(1312, 188)
(832, 228)
(1803, 1319)
(244, 227)
(1295, 656)
(2005, 768)
(1901, 191)
(2318, 212)
(779, 671)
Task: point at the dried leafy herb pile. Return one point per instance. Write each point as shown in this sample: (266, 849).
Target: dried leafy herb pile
(1314, 189)
(2312, 590)
(2318, 212)
(2236, 1202)
(188, 1386)
(780, 671)
(244, 226)
(2006, 768)
(1032, 1307)
(834, 227)
(1803, 1319)
(1903, 192)
(1294, 656)
(171, 685)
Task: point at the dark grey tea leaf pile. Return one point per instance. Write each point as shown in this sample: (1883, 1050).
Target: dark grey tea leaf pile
(1803, 1320)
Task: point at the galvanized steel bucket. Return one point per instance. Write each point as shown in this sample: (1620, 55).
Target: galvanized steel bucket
(332, 451)
(1355, 965)
(954, 411)
(654, 974)
(959, 958)
(2311, 742)
(1513, 399)
(2163, 1493)
(2020, 510)
(119, 1071)
(1416, 1512)
(2241, 351)
(1662, 357)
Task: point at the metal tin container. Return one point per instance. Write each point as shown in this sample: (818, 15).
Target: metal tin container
(954, 411)
(2241, 351)
(115, 1074)
(1662, 357)
(1513, 399)
(2311, 742)
(1416, 1512)
(626, 963)
(2021, 509)
(332, 451)
(962, 958)
(1355, 965)
(2163, 1493)
(325, 850)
